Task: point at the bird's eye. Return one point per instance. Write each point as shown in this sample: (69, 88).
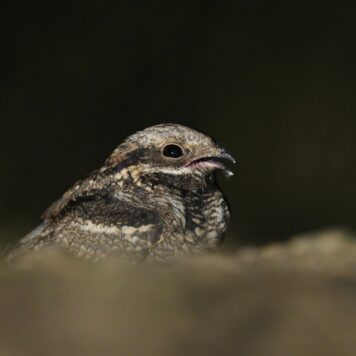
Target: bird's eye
(173, 151)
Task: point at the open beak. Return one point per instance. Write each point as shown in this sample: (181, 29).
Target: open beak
(227, 156)
(214, 161)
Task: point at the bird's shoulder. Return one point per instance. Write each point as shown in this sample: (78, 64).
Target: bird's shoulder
(83, 189)
(95, 204)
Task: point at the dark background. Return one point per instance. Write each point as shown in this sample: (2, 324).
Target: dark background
(272, 81)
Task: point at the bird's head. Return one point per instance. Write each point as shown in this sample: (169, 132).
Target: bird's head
(171, 149)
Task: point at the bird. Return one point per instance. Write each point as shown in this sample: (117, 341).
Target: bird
(155, 198)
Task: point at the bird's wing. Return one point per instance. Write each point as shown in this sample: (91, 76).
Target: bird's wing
(27, 243)
(101, 221)
(108, 225)
(105, 214)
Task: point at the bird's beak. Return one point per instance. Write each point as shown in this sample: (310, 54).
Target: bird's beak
(214, 160)
(223, 154)
(226, 156)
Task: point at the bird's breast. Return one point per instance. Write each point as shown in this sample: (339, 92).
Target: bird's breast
(194, 222)
(207, 217)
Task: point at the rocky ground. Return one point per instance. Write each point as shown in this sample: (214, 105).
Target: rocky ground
(297, 298)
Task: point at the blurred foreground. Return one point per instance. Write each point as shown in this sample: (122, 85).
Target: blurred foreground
(297, 298)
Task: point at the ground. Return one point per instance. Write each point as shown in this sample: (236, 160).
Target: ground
(296, 298)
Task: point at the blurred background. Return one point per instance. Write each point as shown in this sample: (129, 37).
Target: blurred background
(273, 81)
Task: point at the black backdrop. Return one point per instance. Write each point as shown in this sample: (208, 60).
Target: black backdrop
(272, 80)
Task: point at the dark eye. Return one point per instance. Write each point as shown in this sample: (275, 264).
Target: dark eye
(172, 151)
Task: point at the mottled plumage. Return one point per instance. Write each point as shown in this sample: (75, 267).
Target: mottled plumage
(154, 198)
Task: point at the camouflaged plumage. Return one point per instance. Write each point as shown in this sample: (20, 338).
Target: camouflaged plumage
(141, 203)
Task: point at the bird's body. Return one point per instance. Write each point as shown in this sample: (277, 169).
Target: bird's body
(155, 198)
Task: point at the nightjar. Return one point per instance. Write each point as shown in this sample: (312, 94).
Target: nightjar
(155, 198)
